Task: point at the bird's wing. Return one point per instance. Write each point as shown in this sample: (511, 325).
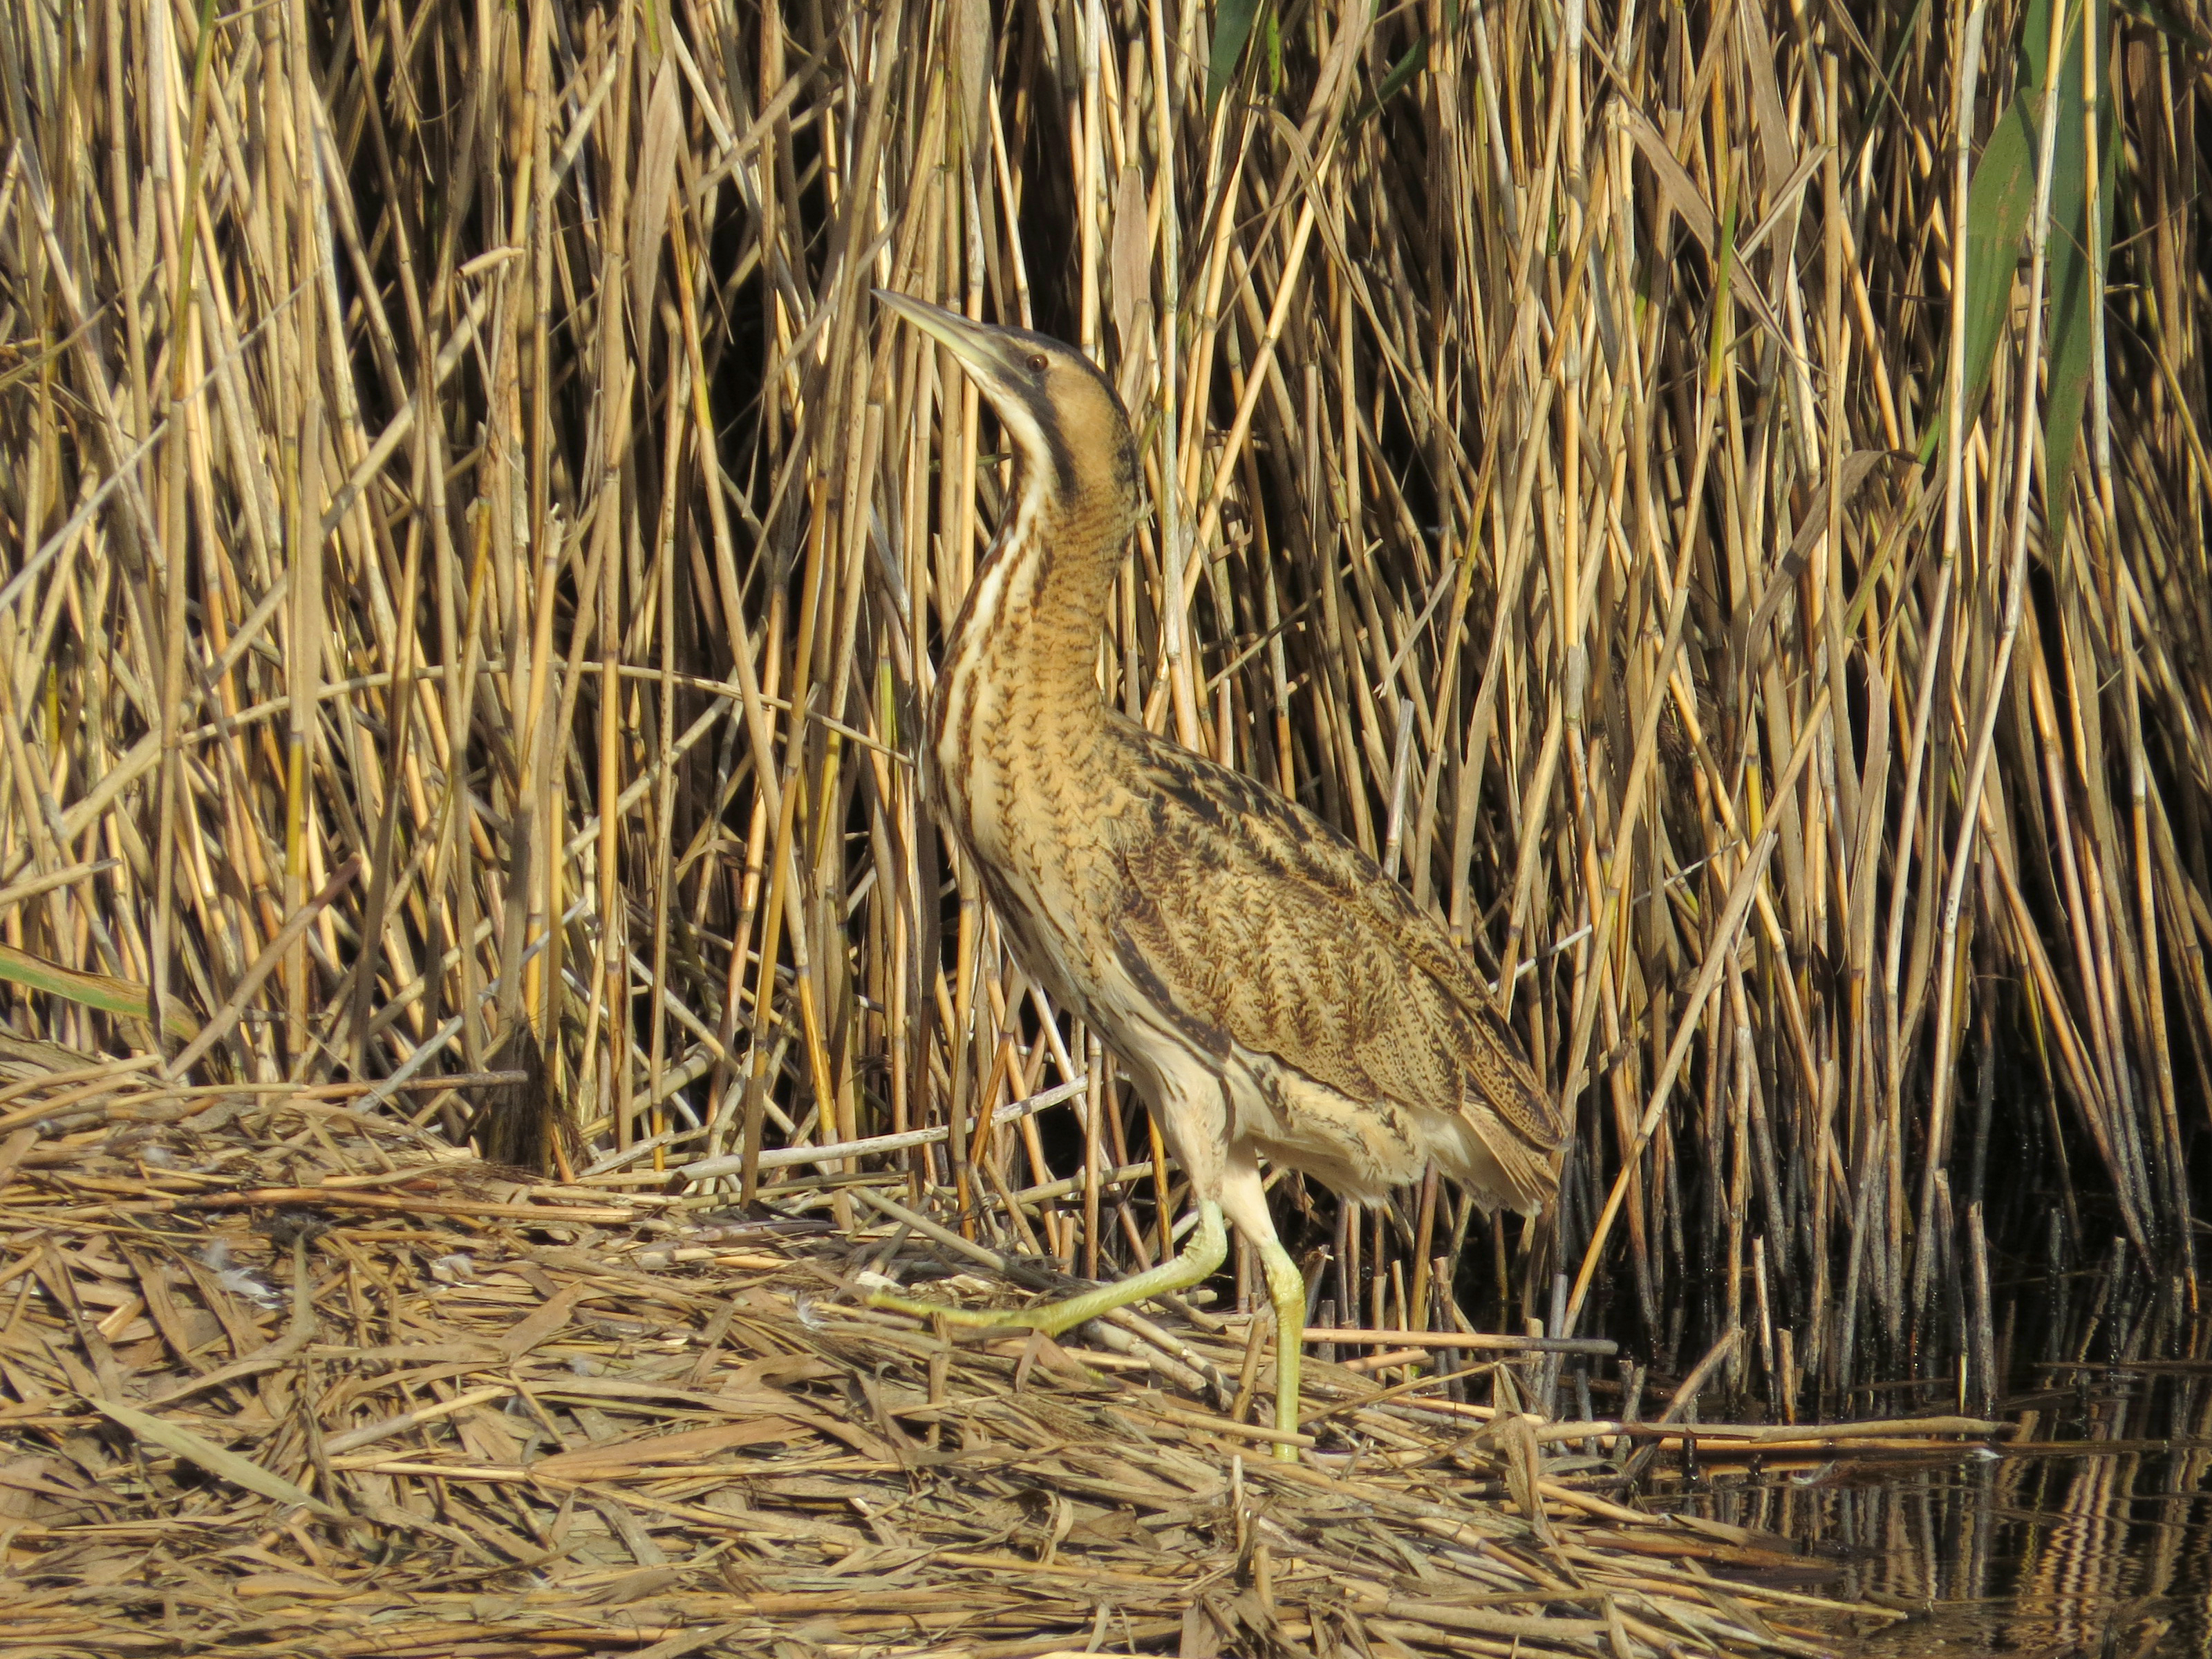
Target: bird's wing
(1304, 950)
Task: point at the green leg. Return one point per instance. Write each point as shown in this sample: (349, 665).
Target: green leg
(1287, 1289)
(1208, 1246)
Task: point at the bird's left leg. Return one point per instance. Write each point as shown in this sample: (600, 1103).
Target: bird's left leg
(1193, 1124)
(1244, 1198)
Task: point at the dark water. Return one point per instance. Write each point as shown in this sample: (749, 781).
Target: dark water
(2087, 1535)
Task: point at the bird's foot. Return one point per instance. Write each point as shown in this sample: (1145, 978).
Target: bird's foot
(1018, 1319)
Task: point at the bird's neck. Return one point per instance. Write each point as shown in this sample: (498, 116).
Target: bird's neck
(1032, 617)
(1018, 683)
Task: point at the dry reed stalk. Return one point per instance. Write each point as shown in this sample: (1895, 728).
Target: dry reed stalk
(458, 439)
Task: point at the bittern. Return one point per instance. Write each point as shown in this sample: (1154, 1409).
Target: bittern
(1272, 992)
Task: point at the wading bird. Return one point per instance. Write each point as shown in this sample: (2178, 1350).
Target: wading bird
(1272, 992)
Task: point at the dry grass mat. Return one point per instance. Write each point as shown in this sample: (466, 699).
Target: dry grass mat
(281, 1378)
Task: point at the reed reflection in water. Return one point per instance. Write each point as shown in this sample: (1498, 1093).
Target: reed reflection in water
(2089, 1534)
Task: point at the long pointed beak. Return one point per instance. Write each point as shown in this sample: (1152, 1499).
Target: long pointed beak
(1010, 369)
(982, 351)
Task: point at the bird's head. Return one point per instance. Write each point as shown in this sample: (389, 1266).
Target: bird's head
(1069, 436)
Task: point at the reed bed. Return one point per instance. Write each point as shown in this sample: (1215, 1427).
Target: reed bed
(288, 1378)
(474, 563)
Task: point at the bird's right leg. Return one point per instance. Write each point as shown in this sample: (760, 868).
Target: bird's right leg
(1200, 1258)
(1245, 1197)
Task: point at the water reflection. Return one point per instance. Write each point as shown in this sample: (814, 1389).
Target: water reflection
(2089, 1534)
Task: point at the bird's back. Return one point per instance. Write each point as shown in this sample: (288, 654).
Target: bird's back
(1179, 904)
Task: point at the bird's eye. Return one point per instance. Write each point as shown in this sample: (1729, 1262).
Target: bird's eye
(1039, 361)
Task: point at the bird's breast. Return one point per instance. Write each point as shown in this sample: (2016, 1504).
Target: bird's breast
(1012, 734)
(1017, 794)
(1015, 779)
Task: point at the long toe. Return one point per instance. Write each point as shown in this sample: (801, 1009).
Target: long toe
(979, 1318)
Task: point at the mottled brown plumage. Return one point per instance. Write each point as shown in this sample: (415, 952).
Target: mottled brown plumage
(1274, 994)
